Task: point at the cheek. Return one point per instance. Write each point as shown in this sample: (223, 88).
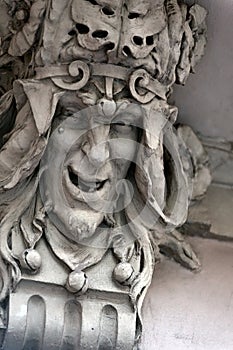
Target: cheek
(123, 149)
(123, 152)
(130, 151)
(120, 168)
(124, 145)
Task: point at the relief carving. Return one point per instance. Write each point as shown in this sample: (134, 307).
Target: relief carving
(95, 181)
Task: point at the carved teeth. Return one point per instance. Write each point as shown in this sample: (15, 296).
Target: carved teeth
(85, 186)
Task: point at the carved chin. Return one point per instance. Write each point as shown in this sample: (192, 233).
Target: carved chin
(85, 227)
(79, 225)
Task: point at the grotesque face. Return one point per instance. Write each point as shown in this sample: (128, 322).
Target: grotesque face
(89, 155)
(76, 65)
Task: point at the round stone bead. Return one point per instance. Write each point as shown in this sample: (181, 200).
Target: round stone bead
(31, 260)
(123, 273)
(77, 282)
(107, 107)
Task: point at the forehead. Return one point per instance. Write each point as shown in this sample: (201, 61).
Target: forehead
(111, 3)
(151, 15)
(140, 5)
(149, 11)
(90, 8)
(69, 105)
(145, 6)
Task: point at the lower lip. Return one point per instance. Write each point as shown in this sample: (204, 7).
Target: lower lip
(78, 194)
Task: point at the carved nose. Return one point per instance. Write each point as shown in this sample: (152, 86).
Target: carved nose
(96, 146)
(98, 154)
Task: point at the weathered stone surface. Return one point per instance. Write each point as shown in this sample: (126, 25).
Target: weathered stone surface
(94, 179)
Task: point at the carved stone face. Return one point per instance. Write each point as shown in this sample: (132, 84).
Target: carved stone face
(106, 27)
(131, 29)
(141, 26)
(95, 152)
(108, 181)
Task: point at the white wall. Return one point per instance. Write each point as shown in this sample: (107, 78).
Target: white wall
(192, 311)
(206, 102)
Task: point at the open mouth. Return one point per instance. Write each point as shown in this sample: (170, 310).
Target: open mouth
(85, 186)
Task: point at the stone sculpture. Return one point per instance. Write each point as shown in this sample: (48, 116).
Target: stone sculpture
(94, 179)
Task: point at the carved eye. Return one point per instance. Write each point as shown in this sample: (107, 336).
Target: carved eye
(133, 15)
(82, 28)
(107, 11)
(150, 40)
(72, 32)
(109, 46)
(68, 112)
(101, 34)
(137, 40)
(93, 2)
(122, 128)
